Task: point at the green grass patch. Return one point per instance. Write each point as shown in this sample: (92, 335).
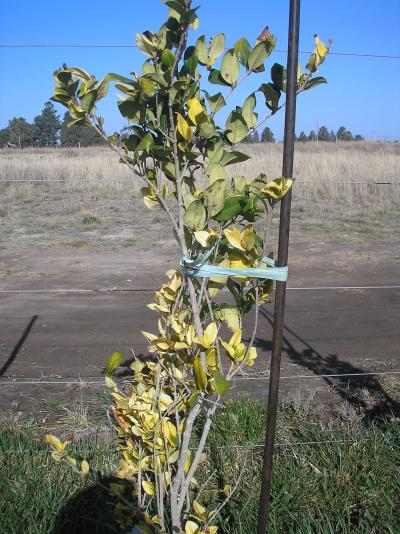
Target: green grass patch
(329, 477)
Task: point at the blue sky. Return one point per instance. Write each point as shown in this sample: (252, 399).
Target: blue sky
(362, 93)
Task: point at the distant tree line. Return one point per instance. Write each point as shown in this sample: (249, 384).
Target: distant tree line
(47, 130)
(323, 134)
(267, 136)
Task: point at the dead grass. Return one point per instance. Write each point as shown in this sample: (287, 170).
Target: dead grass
(99, 204)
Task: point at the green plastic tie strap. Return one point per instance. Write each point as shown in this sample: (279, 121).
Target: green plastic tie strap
(199, 269)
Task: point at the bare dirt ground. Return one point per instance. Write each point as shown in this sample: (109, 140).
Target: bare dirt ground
(80, 236)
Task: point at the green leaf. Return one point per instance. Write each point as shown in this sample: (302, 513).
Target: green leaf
(145, 44)
(190, 60)
(248, 110)
(216, 172)
(88, 101)
(229, 158)
(201, 50)
(259, 54)
(216, 48)
(313, 82)
(232, 207)
(230, 67)
(215, 153)
(113, 362)
(131, 109)
(167, 58)
(148, 86)
(278, 76)
(242, 50)
(237, 127)
(216, 102)
(145, 143)
(112, 77)
(206, 129)
(195, 216)
(271, 96)
(216, 78)
(215, 197)
(221, 383)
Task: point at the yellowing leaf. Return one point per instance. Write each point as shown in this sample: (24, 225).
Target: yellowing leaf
(184, 128)
(210, 333)
(113, 362)
(277, 189)
(199, 373)
(54, 442)
(191, 528)
(236, 338)
(202, 237)
(248, 238)
(196, 111)
(148, 487)
(322, 49)
(251, 356)
(234, 238)
(84, 467)
(200, 510)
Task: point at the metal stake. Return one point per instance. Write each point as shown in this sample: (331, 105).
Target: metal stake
(283, 250)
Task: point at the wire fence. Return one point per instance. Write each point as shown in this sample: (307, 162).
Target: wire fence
(262, 375)
(276, 50)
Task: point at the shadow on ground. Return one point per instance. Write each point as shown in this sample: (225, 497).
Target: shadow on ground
(363, 393)
(94, 510)
(14, 353)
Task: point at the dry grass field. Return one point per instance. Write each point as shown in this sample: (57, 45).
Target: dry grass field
(95, 203)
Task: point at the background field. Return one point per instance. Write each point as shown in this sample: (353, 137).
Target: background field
(97, 204)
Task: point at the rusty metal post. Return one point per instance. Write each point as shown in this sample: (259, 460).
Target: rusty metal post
(283, 250)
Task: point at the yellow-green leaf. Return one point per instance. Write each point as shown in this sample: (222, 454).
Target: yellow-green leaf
(234, 238)
(195, 216)
(148, 487)
(84, 467)
(216, 48)
(199, 373)
(184, 128)
(191, 528)
(221, 383)
(230, 67)
(54, 442)
(196, 111)
(113, 362)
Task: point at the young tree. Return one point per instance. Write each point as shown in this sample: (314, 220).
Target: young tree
(302, 137)
(21, 134)
(267, 136)
(78, 135)
(164, 412)
(312, 136)
(47, 126)
(323, 134)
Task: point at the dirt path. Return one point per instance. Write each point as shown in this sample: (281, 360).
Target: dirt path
(65, 335)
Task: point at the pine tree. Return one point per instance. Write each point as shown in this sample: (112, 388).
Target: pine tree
(323, 134)
(47, 126)
(343, 134)
(256, 137)
(332, 137)
(20, 133)
(267, 136)
(312, 136)
(78, 135)
(302, 137)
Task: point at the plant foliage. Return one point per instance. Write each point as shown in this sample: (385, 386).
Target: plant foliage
(175, 142)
